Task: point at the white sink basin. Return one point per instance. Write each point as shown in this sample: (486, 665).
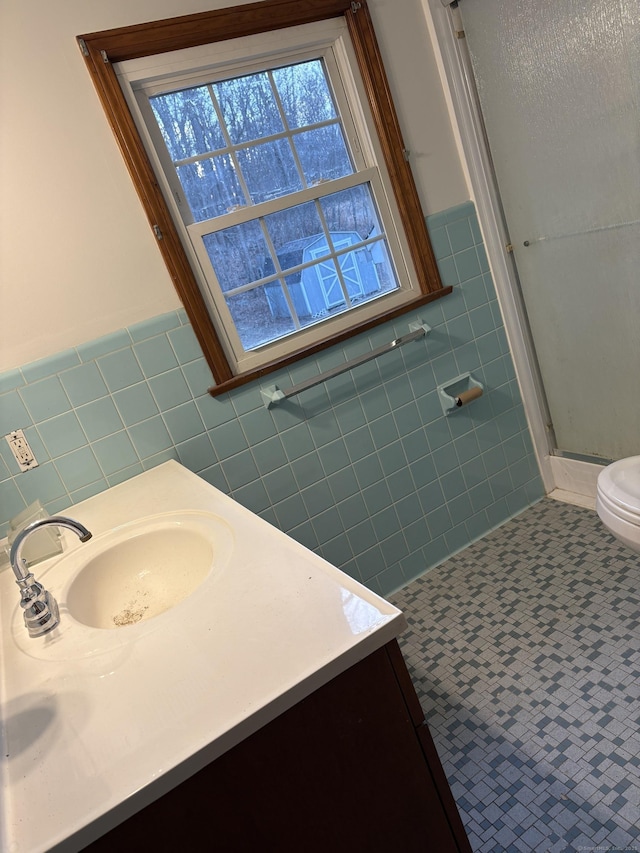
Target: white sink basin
(142, 569)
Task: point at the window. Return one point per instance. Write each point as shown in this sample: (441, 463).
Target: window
(265, 149)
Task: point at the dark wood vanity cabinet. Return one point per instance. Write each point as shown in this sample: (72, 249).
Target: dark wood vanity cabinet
(351, 768)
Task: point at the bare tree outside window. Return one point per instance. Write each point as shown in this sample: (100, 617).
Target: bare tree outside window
(253, 138)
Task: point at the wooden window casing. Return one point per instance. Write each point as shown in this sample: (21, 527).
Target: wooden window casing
(102, 49)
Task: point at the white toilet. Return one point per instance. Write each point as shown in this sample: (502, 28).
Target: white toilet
(618, 500)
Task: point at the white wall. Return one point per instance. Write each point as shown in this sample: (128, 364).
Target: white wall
(77, 257)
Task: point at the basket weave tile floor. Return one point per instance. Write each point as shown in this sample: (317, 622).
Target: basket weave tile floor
(525, 651)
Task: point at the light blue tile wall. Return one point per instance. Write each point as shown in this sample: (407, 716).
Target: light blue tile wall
(366, 470)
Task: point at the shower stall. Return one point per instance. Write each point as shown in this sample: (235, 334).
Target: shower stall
(547, 102)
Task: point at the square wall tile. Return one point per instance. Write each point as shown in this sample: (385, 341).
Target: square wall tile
(360, 537)
(120, 369)
(387, 524)
(377, 496)
(198, 377)
(343, 484)
(269, 454)
(228, 439)
(62, 434)
(155, 355)
(11, 502)
(327, 524)
(384, 430)
(333, 456)
(290, 512)
(297, 441)
(13, 413)
(352, 511)
(307, 469)
(280, 484)
(448, 272)
(368, 470)
(170, 389)
(185, 344)
(42, 483)
(115, 452)
(215, 476)
(196, 453)
(246, 398)
(10, 380)
(78, 469)
(257, 426)
(4, 470)
(99, 418)
(460, 235)
(215, 410)
(440, 242)
(253, 496)
(45, 399)
(337, 551)
(317, 498)
(392, 458)
(83, 384)
(135, 403)
(375, 403)
(400, 484)
(150, 437)
(359, 443)
(240, 469)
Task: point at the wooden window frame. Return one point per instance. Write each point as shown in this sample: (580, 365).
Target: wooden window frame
(102, 49)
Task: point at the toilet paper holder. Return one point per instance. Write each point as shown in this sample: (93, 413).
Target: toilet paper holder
(458, 392)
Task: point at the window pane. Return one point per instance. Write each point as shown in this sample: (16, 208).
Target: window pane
(211, 187)
(316, 293)
(188, 122)
(329, 289)
(360, 275)
(304, 92)
(291, 230)
(269, 170)
(249, 107)
(323, 287)
(323, 154)
(352, 210)
(381, 259)
(261, 315)
(238, 255)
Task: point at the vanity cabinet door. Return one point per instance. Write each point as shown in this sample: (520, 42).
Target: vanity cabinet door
(343, 770)
(428, 747)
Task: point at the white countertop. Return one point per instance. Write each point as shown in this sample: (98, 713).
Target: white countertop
(97, 723)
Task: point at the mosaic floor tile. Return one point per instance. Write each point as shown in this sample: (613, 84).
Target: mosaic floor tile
(525, 652)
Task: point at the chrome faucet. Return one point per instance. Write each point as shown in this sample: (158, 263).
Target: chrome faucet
(40, 608)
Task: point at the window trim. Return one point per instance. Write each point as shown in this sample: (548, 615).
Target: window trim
(102, 49)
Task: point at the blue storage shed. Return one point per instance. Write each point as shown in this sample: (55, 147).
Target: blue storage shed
(316, 291)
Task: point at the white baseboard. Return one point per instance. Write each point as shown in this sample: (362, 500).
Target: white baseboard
(575, 481)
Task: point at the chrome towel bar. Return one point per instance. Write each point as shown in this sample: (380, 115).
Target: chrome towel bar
(273, 395)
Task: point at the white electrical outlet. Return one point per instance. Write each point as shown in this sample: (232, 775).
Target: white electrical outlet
(19, 445)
